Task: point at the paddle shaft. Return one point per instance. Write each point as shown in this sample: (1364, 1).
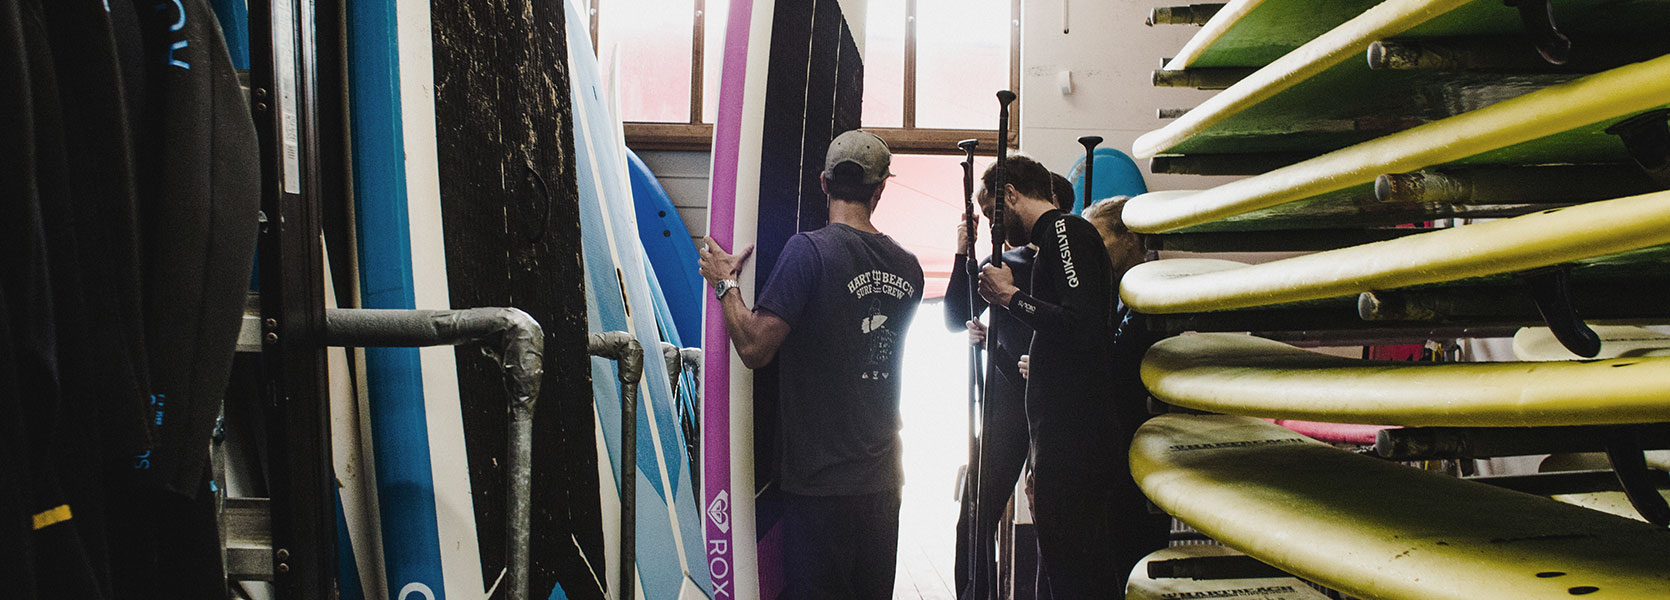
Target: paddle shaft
(975, 381)
(999, 186)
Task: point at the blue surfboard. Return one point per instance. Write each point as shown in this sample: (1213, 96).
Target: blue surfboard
(1116, 175)
(620, 298)
(669, 249)
(406, 498)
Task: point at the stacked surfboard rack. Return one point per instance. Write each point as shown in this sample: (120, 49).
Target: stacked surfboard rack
(1456, 169)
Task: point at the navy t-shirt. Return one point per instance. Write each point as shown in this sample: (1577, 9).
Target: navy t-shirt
(848, 297)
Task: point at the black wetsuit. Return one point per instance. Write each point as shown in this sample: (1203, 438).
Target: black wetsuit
(1006, 429)
(1083, 403)
(129, 151)
(199, 176)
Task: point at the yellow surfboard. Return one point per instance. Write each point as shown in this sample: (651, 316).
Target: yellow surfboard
(1246, 375)
(1561, 123)
(1531, 241)
(1375, 529)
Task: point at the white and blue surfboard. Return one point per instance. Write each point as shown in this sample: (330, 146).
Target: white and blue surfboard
(422, 502)
(619, 298)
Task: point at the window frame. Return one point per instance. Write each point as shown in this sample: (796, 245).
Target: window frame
(908, 139)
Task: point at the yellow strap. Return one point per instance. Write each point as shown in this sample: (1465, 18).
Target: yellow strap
(52, 517)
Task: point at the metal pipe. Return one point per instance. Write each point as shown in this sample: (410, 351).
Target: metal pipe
(1192, 14)
(625, 350)
(675, 365)
(510, 337)
(1202, 78)
(1540, 184)
(693, 363)
(521, 492)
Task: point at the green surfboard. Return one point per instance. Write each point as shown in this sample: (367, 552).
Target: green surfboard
(1324, 95)
(1252, 33)
(1564, 123)
(1245, 375)
(1376, 529)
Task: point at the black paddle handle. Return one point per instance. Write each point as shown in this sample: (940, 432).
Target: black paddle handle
(1090, 142)
(1004, 98)
(968, 147)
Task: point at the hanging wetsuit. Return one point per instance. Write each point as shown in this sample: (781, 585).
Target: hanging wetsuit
(199, 182)
(45, 532)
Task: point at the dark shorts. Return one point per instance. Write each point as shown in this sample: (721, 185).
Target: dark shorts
(840, 547)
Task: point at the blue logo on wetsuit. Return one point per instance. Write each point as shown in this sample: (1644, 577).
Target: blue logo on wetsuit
(176, 26)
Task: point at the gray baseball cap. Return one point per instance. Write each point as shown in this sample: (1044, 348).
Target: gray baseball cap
(861, 148)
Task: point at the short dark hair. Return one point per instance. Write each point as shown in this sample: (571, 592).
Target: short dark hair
(1063, 192)
(846, 183)
(1028, 177)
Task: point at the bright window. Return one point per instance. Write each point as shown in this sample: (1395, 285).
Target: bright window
(713, 53)
(655, 67)
(884, 64)
(921, 208)
(931, 68)
(962, 60)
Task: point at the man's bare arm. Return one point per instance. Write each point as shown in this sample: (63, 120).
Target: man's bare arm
(756, 334)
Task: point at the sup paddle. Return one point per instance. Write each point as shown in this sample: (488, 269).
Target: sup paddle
(975, 380)
(999, 186)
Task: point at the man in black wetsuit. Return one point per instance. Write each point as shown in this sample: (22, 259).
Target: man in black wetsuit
(1082, 408)
(833, 316)
(1005, 429)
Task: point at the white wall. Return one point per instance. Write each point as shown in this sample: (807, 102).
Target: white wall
(1111, 55)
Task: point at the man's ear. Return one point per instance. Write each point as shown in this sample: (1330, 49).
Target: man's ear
(823, 182)
(1009, 195)
(875, 197)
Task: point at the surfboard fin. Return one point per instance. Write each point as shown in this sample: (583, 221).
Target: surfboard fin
(1551, 290)
(1647, 138)
(1213, 567)
(1624, 450)
(1538, 18)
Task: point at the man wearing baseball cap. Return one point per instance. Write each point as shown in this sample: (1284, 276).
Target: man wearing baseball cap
(833, 316)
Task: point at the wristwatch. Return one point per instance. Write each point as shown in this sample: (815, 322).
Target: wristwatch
(723, 287)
